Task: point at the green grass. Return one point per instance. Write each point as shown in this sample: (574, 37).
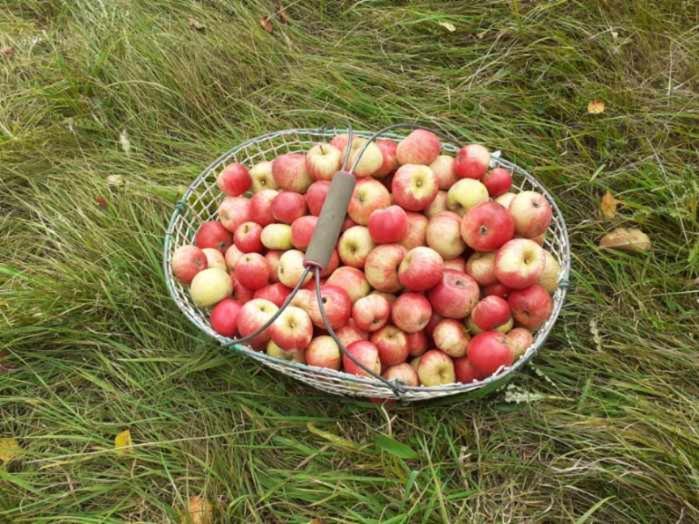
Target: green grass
(96, 345)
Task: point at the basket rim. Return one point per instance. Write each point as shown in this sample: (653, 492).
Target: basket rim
(416, 392)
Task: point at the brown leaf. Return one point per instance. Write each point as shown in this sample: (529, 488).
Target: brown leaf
(198, 511)
(266, 23)
(595, 107)
(123, 442)
(196, 24)
(632, 240)
(101, 201)
(8, 52)
(608, 205)
(281, 13)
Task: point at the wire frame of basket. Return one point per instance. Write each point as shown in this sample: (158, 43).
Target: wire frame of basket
(200, 203)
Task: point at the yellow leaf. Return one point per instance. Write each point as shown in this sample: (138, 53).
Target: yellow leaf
(9, 449)
(608, 205)
(633, 240)
(123, 442)
(595, 107)
(266, 23)
(332, 438)
(198, 511)
(448, 26)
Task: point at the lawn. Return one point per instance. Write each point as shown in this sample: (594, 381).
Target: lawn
(601, 427)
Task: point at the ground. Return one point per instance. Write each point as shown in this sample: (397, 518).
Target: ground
(91, 343)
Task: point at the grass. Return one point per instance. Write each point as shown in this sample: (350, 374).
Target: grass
(91, 343)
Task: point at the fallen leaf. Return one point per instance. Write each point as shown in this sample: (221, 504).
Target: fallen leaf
(266, 23)
(9, 449)
(608, 205)
(633, 240)
(101, 201)
(281, 13)
(115, 180)
(8, 52)
(448, 26)
(198, 511)
(196, 24)
(595, 107)
(124, 141)
(123, 442)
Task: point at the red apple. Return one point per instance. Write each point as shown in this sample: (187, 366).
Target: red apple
(471, 161)
(481, 266)
(456, 264)
(354, 246)
(224, 317)
(261, 206)
(498, 181)
(292, 329)
(443, 168)
(414, 187)
(272, 258)
(214, 258)
(487, 226)
(368, 196)
(340, 142)
(302, 231)
(381, 267)
(421, 269)
(332, 264)
(455, 295)
(491, 313)
(323, 352)
(488, 351)
(253, 315)
(417, 343)
(240, 293)
(315, 196)
(213, 234)
(496, 289)
(287, 206)
(337, 306)
(187, 261)
(348, 223)
(419, 147)
(531, 307)
(388, 225)
(232, 212)
(435, 368)
(248, 237)
(451, 336)
(390, 297)
(275, 293)
(261, 174)
(366, 354)
(532, 213)
(350, 333)
(289, 172)
(352, 280)
(234, 180)
(411, 312)
(403, 373)
(323, 161)
(519, 339)
(232, 256)
(434, 320)
(519, 263)
(252, 270)
(371, 312)
(465, 372)
(438, 205)
(392, 344)
(443, 234)
(388, 153)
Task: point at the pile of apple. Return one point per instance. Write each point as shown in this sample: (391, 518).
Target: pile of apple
(439, 274)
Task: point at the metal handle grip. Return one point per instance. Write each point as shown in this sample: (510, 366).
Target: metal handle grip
(329, 224)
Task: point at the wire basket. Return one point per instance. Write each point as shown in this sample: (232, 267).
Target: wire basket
(200, 203)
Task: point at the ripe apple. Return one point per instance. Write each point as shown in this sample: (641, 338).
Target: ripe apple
(443, 234)
(487, 226)
(531, 212)
(456, 264)
(531, 307)
(505, 199)
(411, 312)
(421, 269)
(488, 351)
(275, 293)
(519, 263)
(253, 315)
(287, 206)
(276, 237)
(465, 372)
(224, 317)
(232, 256)
(354, 246)
(368, 196)
(323, 161)
(381, 267)
(262, 178)
(336, 304)
(248, 237)
(234, 180)
(436, 368)
(289, 172)
(443, 168)
(213, 234)
(388, 225)
(348, 223)
(390, 297)
(210, 286)
(552, 269)
(371, 159)
(214, 258)
(417, 343)
(465, 194)
(252, 270)
(340, 142)
(233, 211)
(438, 205)
(315, 196)
(414, 187)
(403, 373)
(417, 228)
(498, 181)
(272, 258)
(451, 336)
(491, 313)
(434, 320)
(481, 266)
(496, 289)
(302, 231)
(370, 313)
(519, 339)
(471, 161)
(388, 153)
(291, 355)
(419, 147)
(352, 280)
(323, 352)
(350, 333)
(261, 206)
(240, 293)
(332, 265)
(455, 295)
(291, 268)
(187, 261)
(392, 344)
(366, 354)
(292, 329)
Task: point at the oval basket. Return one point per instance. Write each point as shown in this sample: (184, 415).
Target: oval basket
(202, 198)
